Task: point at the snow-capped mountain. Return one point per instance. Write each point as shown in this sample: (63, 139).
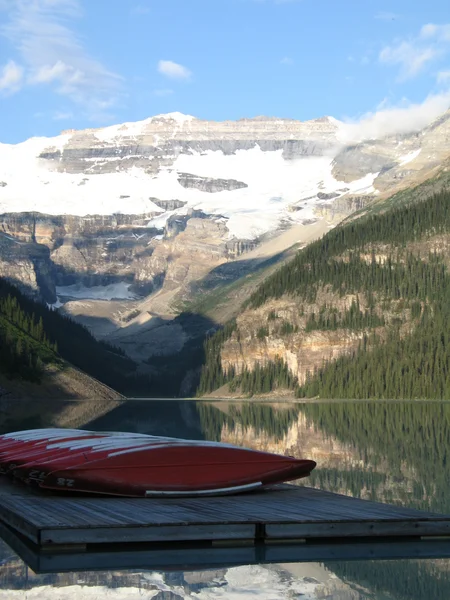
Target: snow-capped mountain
(254, 173)
(162, 204)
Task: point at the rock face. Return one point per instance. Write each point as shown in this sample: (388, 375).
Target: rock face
(168, 204)
(343, 207)
(66, 250)
(207, 184)
(303, 352)
(97, 251)
(28, 265)
(157, 141)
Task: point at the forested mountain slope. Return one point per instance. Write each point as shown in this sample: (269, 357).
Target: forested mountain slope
(362, 313)
(36, 341)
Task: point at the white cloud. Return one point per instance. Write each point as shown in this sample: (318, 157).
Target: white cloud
(47, 74)
(42, 33)
(433, 31)
(287, 60)
(390, 120)
(173, 70)
(414, 54)
(408, 56)
(11, 76)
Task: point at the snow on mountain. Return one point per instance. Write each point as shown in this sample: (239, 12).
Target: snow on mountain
(257, 581)
(136, 128)
(407, 158)
(113, 291)
(280, 166)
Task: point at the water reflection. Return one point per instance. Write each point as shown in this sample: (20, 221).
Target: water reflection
(308, 581)
(391, 452)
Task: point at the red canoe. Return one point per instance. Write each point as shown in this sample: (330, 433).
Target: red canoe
(8, 441)
(145, 466)
(13, 445)
(45, 459)
(24, 447)
(14, 459)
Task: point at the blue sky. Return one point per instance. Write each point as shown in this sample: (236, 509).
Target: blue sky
(88, 63)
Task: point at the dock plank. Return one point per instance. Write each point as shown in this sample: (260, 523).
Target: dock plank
(284, 512)
(182, 557)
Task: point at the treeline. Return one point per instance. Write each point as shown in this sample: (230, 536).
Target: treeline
(395, 228)
(212, 375)
(263, 379)
(401, 275)
(260, 417)
(32, 334)
(28, 323)
(24, 346)
(330, 319)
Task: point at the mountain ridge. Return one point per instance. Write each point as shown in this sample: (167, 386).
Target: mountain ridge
(151, 216)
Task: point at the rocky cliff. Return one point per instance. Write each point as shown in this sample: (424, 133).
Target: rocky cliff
(263, 335)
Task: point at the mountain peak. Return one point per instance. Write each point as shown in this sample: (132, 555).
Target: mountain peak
(327, 119)
(173, 116)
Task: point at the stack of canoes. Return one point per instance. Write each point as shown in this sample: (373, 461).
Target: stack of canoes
(137, 465)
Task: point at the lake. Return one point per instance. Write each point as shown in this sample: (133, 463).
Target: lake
(393, 452)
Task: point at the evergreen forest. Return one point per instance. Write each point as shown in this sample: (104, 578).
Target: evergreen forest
(32, 335)
(380, 259)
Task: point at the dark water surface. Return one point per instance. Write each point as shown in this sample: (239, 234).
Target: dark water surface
(393, 452)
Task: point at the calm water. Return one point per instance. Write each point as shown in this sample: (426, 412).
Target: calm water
(392, 452)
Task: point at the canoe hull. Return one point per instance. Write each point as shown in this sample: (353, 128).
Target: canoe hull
(178, 470)
(144, 466)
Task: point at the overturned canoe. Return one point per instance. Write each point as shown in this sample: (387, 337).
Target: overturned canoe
(14, 445)
(143, 466)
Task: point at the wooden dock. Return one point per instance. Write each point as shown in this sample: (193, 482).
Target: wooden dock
(283, 523)
(282, 513)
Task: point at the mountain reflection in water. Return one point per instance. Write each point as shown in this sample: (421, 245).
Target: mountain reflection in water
(391, 452)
